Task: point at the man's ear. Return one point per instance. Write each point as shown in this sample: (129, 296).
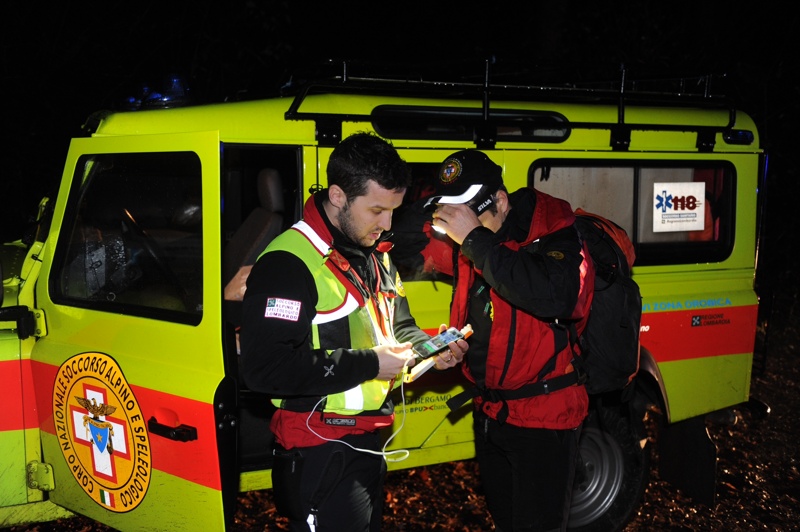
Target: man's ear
(501, 197)
(336, 196)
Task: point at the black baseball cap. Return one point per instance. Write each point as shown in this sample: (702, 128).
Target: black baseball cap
(467, 176)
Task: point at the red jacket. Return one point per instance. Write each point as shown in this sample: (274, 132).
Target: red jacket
(533, 285)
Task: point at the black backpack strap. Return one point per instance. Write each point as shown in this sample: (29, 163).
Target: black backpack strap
(489, 395)
(564, 335)
(458, 400)
(577, 359)
(568, 335)
(541, 387)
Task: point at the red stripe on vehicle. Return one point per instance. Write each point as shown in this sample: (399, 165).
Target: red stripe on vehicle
(690, 334)
(17, 396)
(195, 460)
(11, 416)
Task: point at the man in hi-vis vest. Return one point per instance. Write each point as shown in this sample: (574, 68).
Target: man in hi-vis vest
(327, 332)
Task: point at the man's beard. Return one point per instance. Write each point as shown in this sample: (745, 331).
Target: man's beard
(346, 225)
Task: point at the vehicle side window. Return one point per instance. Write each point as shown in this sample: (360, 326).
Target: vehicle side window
(675, 213)
(132, 242)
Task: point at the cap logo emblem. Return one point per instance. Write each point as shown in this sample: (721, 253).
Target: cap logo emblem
(451, 169)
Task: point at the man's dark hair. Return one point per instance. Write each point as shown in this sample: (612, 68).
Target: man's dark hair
(364, 156)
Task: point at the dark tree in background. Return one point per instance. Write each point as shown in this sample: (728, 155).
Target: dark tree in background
(63, 61)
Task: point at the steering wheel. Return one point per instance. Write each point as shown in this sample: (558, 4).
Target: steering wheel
(132, 228)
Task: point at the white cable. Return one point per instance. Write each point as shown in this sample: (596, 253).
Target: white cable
(404, 453)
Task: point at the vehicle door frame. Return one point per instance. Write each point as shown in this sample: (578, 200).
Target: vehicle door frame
(168, 378)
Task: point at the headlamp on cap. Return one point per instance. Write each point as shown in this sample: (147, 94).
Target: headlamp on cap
(477, 197)
(467, 177)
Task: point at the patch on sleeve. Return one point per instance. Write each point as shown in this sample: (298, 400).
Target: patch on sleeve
(283, 309)
(398, 285)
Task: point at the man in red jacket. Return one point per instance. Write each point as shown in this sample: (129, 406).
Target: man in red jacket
(521, 274)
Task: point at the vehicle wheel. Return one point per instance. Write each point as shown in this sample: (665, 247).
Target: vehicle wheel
(612, 473)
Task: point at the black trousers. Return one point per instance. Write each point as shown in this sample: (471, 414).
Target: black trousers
(526, 474)
(331, 487)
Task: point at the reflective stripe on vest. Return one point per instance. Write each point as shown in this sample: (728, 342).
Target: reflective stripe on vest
(336, 304)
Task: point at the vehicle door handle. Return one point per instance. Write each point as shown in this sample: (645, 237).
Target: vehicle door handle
(180, 433)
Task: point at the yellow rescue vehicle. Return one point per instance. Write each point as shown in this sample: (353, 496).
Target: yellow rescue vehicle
(118, 330)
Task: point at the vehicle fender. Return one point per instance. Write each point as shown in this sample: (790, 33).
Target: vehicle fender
(655, 390)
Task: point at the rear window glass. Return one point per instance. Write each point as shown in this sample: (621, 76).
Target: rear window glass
(675, 213)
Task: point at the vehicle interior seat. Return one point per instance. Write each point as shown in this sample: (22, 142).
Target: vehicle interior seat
(263, 224)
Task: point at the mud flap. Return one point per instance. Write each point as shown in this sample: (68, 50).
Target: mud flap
(688, 459)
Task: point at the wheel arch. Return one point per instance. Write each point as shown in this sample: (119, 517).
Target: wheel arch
(650, 383)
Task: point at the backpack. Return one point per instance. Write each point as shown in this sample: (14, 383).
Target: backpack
(609, 354)
(610, 341)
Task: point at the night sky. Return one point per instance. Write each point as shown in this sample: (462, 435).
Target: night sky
(63, 61)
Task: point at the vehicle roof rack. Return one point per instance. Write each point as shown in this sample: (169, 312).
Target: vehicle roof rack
(503, 82)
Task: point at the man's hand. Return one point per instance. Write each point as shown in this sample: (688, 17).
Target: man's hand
(392, 359)
(456, 220)
(454, 354)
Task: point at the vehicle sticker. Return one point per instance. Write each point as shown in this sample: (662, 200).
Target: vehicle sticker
(679, 207)
(701, 320)
(102, 432)
(426, 403)
(706, 303)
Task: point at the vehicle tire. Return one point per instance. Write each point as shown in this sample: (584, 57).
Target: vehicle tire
(612, 473)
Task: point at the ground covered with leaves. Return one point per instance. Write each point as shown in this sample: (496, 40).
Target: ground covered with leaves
(758, 483)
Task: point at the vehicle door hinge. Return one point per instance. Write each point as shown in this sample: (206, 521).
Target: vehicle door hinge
(40, 328)
(329, 132)
(28, 322)
(40, 476)
(706, 139)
